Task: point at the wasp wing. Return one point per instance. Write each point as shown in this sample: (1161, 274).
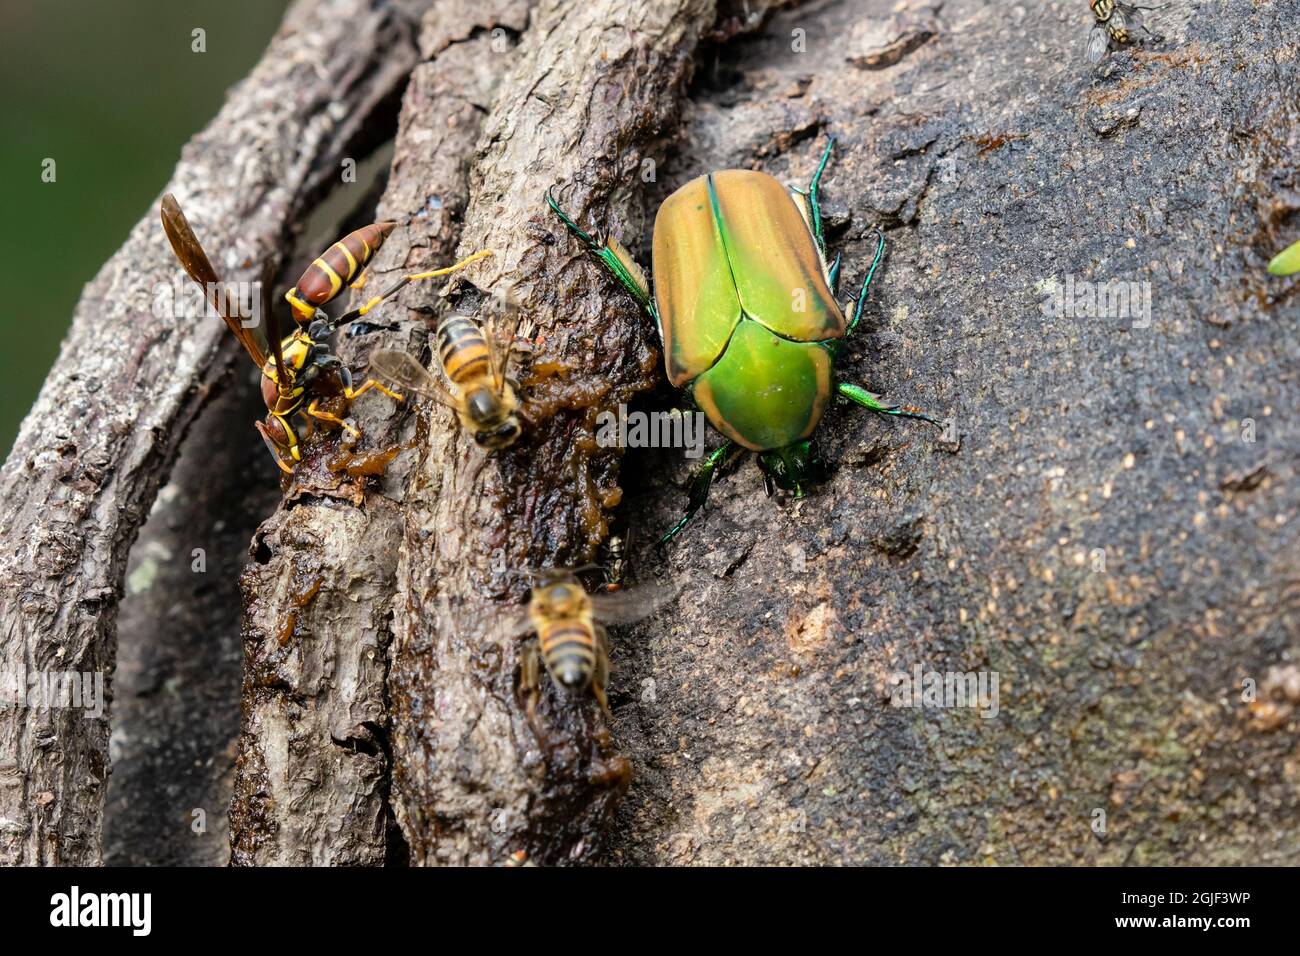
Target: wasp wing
(405, 372)
(197, 265)
(632, 604)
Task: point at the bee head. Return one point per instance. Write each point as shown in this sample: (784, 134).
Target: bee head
(493, 425)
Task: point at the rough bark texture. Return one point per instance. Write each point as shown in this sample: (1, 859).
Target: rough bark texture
(1113, 536)
(314, 755)
(179, 659)
(89, 459)
(595, 89)
(1107, 539)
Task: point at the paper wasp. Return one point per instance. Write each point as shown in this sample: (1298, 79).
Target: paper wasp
(304, 384)
(476, 365)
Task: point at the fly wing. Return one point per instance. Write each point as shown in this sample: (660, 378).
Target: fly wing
(632, 604)
(1098, 41)
(199, 268)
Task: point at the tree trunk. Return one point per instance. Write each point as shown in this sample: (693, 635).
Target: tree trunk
(105, 429)
(1106, 529)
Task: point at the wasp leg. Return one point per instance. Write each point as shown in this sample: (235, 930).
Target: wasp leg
(412, 277)
(316, 413)
(700, 484)
(370, 383)
(600, 677)
(616, 259)
(860, 396)
(855, 311)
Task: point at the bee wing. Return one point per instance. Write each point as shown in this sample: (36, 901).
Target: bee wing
(1119, 21)
(405, 372)
(1098, 41)
(199, 268)
(515, 622)
(501, 333)
(624, 607)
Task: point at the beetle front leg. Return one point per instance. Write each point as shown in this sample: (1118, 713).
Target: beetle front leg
(700, 485)
(616, 259)
(860, 396)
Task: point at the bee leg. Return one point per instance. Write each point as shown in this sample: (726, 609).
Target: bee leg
(855, 310)
(860, 396)
(700, 485)
(530, 672)
(616, 259)
(316, 413)
(600, 677)
(367, 385)
(360, 281)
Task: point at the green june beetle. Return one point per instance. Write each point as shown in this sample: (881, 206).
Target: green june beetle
(745, 306)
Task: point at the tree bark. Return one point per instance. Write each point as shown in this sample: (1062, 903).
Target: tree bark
(105, 429)
(314, 769)
(1108, 528)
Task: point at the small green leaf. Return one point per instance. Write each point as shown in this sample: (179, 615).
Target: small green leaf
(1286, 262)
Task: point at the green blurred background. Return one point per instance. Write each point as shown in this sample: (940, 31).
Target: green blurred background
(110, 91)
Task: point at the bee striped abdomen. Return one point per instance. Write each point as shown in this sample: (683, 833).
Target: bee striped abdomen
(463, 350)
(569, 652)
(337, 266)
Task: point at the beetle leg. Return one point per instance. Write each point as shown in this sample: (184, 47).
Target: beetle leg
(834, 274)
(860, 396)
(616, 259)
(855, 313)
(814, 206)
(700, 484)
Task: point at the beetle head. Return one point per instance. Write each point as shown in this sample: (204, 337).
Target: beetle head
(792, 468)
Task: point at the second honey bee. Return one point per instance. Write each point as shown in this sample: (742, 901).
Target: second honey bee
(475, 364)
(572, 643)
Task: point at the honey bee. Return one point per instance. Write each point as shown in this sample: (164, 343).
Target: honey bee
(475, 363)
(572, 642)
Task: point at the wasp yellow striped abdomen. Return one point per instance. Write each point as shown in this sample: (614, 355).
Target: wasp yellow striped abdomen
(475, 365)
(339, 265)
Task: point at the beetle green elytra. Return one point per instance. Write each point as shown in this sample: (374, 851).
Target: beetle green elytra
(1286, 262)
(745, 305)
